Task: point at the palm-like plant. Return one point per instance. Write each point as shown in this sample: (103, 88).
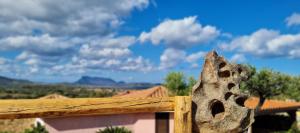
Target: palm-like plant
(111, 129)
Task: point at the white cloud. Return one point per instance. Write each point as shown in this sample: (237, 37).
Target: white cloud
(238, 58)
(266, 43)
(137, 64)
(181, 33)
(66, 37)
(66, 17)
(292, 20)
(42, 45)
(194, 57)
(171, 57)
(107, 47)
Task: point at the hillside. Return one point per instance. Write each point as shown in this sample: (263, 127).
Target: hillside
(9, 82)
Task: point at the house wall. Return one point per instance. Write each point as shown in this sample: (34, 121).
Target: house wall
(138, 123)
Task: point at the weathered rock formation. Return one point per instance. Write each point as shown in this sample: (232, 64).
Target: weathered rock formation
(218, 105)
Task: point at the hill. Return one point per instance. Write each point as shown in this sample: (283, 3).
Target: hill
(8, 82)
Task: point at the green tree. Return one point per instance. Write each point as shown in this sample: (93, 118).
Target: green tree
(176, 82)
(192, 81)
(111, 129)
(265, 84)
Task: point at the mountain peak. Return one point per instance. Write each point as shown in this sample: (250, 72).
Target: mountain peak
(87, 80)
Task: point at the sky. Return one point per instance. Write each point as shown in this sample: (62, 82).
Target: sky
(142, 40)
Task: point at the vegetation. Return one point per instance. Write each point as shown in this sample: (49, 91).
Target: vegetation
(178, 84)
(37, 129)
(111, 129)
(36, 91)
(267, 83)
(33, 129)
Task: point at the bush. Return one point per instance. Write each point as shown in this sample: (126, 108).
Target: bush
(111, 129)
(37, 129)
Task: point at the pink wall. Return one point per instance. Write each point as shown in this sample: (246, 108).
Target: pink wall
(138, 123)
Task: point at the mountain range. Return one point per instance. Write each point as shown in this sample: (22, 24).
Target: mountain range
(108, 82)
(83, 81)
(7, 82)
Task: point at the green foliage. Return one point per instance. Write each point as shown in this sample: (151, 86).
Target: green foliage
(36, 129)
(36, 91)
(177, 83)
(267, 83)
(192, 81)
(111, 129)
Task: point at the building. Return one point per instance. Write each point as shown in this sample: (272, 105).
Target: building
(161, 122)
(274, 112)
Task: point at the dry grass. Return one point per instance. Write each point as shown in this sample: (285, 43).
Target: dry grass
(15, 125)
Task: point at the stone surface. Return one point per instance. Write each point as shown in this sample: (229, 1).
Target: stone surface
(218, 104)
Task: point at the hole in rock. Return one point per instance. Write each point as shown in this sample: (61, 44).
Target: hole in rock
(240, 70)
(221, 65)
(230, 85)
(240, 101)
(217, 109)
(224, 74)
(227, 95)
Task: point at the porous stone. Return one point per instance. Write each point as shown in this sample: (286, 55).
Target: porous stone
(218, 104)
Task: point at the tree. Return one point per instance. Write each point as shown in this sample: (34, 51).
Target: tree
(265, 84)
(176, 82)
(191, 83)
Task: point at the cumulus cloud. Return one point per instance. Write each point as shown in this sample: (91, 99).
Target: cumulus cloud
(180, 33)
(266, 43)
(194, 57)
(171, 57)
(65, 37)
(293, 20)
(108, 47)
(111, 53)
(238, 58)
(66, 17)
(42, 45)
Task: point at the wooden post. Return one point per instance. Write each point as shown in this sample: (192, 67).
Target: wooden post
(183, 114)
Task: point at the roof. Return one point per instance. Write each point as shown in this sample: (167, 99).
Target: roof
(157, 91)
(272, 105)
(269, 105)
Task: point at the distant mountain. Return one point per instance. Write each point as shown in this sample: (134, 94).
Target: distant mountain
(4, 81)
(86, 80)
(83, 81)
(107, 82)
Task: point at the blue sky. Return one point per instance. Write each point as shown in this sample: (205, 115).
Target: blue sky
(143, 40)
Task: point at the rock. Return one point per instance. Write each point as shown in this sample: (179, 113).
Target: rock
(218, 104)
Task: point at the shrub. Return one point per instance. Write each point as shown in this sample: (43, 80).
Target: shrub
(111, 129)
(36, 129)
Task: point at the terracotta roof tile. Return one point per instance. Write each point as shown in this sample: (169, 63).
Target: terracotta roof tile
(271, 104)
(157, 91)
